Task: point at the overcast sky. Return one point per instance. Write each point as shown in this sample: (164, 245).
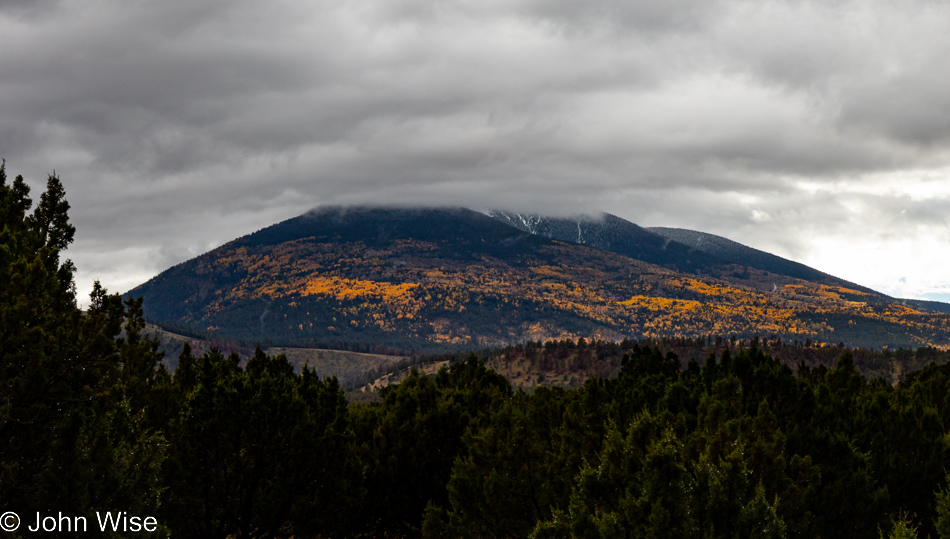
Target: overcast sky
(819, 131)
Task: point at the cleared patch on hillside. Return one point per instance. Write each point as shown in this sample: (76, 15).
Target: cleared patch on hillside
(343, 364)
(340, 363)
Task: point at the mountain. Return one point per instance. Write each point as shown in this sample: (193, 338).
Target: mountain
(450, 278)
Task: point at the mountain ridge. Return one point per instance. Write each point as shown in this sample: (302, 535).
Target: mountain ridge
(611, 233)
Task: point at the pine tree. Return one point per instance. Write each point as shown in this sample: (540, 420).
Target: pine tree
(71, 436)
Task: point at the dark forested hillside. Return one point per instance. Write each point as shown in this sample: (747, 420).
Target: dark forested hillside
(737, 445)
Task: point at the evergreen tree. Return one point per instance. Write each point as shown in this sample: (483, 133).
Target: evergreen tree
(72, 438)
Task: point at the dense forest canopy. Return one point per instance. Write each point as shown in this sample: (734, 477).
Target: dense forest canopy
(738, 445)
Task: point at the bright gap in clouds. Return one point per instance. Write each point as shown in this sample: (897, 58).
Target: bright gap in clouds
(890, 232)
(900, 267)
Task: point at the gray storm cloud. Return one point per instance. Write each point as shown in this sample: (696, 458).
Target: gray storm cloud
(180, 125)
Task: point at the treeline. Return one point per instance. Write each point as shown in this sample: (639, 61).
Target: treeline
(569, 363)
(598, 355)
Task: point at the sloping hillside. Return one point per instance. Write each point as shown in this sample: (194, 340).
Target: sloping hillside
(445, 279)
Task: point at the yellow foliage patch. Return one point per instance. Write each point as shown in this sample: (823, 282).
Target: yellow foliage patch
(660, 304)
(348, 289)
(709, 289)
